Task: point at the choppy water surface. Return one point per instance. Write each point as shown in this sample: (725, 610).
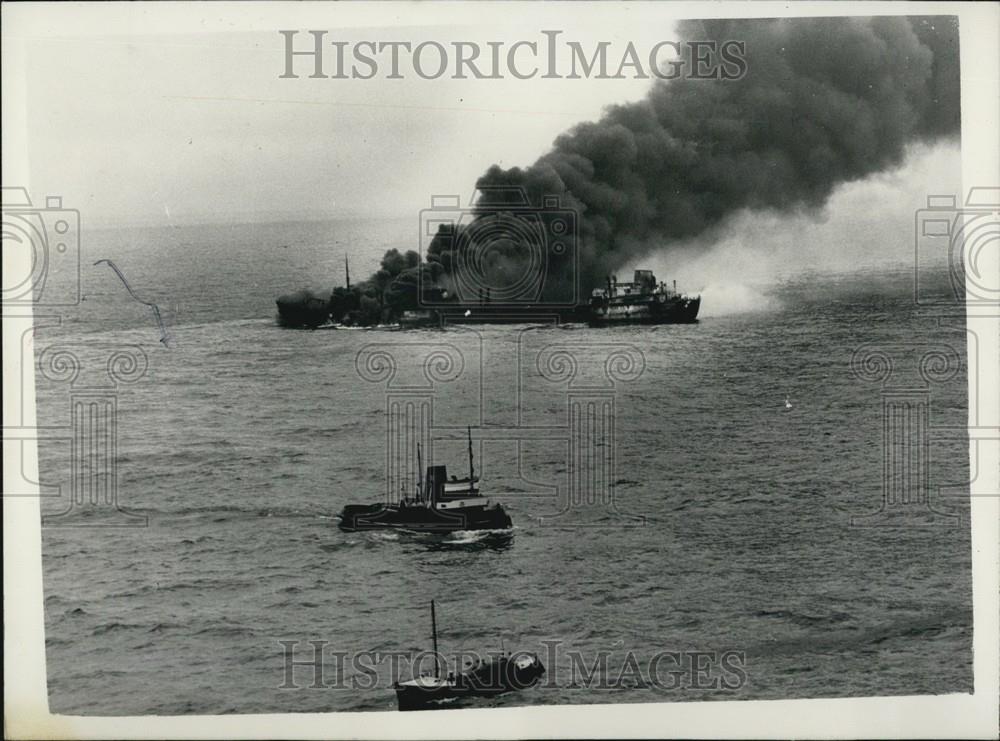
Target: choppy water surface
(242, 440)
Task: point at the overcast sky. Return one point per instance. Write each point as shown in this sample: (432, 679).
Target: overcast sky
(132, 128)
(162, 122)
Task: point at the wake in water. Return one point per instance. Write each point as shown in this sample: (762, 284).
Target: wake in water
(463, 537)
(473, 540)
(468, 540)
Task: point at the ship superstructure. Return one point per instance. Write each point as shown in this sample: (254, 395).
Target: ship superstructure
(643, 301)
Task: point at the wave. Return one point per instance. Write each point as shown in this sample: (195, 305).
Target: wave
(198, 584)
(803, 619)
(114, 627)
(227, 631)
(475, 536)
(222, 511)
(381, 536)
(160, 627)
(824, 638)
(341, 545)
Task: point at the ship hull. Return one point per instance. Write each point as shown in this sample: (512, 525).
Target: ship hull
(424, 698)
(297, 312)
(419, 518)
(674, 311)
(419, 319)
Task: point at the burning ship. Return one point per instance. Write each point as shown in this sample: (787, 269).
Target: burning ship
(302, 309)
(306, 309)
(643, 301)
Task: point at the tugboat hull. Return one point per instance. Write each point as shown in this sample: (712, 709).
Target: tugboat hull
(420, 518)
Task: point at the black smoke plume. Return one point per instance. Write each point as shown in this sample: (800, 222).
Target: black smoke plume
(823, 102)
(382, 297)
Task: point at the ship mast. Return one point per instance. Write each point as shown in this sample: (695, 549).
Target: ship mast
(434, 633)
(347, 273)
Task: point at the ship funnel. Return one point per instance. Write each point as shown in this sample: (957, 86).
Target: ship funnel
(436, 476)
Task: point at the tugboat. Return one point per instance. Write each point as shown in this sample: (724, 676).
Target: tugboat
(642, 301)
(441, 505)
(494, 676)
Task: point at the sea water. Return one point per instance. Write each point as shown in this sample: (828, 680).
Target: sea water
(729, 512)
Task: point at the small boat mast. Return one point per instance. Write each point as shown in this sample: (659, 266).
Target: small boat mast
(434, 638)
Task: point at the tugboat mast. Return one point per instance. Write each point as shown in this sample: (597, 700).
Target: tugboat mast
(420, 468)
(471, 474)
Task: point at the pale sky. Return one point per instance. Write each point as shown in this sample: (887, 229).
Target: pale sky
(199, 126)
(156, 115)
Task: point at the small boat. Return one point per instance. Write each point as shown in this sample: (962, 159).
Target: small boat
(440, 505)
(494, 676)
